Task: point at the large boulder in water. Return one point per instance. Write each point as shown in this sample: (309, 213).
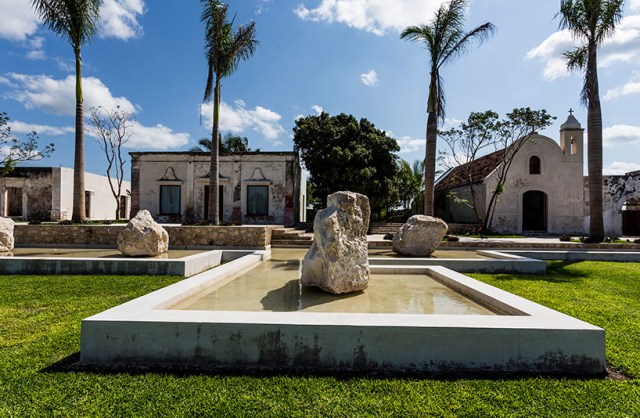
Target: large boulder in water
(337, 261)
(143, 237)
(419, 236)
(6, 234)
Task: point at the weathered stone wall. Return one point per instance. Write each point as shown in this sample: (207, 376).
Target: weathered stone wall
(107, 235)
(280, 171)
(616, 190)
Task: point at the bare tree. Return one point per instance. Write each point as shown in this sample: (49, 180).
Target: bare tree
(484, 131)
(14, 150)
(112, 129)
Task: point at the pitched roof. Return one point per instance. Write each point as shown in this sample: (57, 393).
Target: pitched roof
(477, 170)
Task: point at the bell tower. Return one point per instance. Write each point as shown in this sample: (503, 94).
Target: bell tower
(572, 139)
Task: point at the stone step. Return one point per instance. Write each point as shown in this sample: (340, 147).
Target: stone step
(279, 233)
(290, 243)
(295, 235)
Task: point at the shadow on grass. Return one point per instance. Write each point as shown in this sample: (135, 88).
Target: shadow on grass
(71, 364)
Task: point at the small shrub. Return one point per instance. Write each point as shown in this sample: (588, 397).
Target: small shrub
(35, 221)
(65, 222)
(565, 238)
(451, 238)
(636, 241)
(389, 236)
(107, 222)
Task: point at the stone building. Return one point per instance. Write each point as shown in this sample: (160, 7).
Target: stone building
(621, 204)
(46, 193)
(543, 191)
(254, 187)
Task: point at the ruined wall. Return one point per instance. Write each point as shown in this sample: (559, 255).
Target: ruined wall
(32, 197)
(616, 190)
(107, 235)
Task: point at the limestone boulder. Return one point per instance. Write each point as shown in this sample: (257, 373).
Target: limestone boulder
(337, 261)
(6, 234)
(143, 237)
(419, 236)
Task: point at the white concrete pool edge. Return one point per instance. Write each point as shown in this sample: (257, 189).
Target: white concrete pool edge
(533, 339)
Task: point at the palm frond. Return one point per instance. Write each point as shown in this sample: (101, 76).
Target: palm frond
(76, 21)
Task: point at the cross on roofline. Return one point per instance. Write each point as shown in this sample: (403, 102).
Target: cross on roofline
(571, 111)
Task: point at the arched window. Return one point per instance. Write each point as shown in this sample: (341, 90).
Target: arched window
(534, 165)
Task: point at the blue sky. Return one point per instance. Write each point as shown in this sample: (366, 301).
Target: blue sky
(314, 55)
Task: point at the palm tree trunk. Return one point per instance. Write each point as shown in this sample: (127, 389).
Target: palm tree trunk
(214, 216)
(78, 214)
(430, 162)
(594, 153)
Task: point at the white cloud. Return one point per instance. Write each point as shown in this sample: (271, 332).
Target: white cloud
(623, 46)
(621, 135)
(23, 127)
(369, 78)
(238, 118)
(318, 109)
(58, 96)
(632, 87)
(618, 168)
(119, 19)
(157, 137)
(17, 20)
(375, 16)
(35, 45)
(408, 144)
(262, 6)
(634, 5)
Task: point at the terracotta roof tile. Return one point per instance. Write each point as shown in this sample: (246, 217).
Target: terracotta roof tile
(478, 170)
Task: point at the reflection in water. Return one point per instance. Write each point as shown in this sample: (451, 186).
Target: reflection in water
(275, 286)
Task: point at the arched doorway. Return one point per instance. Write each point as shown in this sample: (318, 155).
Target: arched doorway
(534, 211)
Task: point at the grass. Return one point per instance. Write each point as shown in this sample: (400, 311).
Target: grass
(40, 334)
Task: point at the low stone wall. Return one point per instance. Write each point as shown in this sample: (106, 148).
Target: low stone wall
(257, 237)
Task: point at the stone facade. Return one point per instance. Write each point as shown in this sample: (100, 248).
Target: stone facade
(255, 187)
(619, 195)
(46, 193)
(257, 237)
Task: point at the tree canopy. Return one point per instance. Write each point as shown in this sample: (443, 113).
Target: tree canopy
(342, 153)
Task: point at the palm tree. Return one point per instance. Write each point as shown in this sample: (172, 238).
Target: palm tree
(224, 49)
(75, 20)
(445, 40)
(591, 21)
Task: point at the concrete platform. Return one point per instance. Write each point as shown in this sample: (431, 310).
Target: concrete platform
(527, 338)
(185, 266)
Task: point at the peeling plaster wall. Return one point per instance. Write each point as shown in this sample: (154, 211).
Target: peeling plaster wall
(278, 170)
(616, 191)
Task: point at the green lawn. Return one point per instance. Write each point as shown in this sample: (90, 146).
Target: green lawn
(40, 334)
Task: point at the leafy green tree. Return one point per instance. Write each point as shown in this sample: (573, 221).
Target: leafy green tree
(409, 185)
(445, 40)
(591, 22)
(482, 131)
(224, 49)
(14, 150)
(76, 21)
(342, 153)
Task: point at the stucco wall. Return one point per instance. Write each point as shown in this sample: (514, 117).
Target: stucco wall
(560, 179)
(190, 171)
